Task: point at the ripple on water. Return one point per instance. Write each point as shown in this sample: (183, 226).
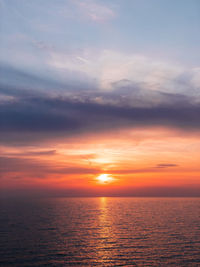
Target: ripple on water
(100, 232)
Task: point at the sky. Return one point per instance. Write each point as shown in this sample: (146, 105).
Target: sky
(100, 98)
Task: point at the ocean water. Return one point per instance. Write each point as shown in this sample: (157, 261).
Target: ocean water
(100, 232)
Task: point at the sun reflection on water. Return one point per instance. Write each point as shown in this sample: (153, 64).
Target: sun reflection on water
(106, 239)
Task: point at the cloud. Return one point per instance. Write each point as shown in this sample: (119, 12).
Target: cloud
(51, 117)
(109, 67)
(14, 166)
(134, 171)
(102, 70)
(40, 153)
(11, 166)
(32, 153)
(94, 10)
(166, 165)
(48, 112)
(16, 82)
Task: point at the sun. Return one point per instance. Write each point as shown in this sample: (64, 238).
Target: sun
(104, 178)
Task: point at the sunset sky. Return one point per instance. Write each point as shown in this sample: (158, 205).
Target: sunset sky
(100, 97)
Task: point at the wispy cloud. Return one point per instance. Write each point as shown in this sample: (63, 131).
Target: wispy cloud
(95, 10)
(166, 165)
(31, 153)
(15, 166)
(108, 67)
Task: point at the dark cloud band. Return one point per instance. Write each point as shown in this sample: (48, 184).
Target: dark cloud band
(64, 115)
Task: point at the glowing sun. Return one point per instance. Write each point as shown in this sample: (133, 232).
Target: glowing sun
(104, 178)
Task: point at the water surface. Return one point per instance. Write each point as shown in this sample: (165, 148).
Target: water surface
(100, 232)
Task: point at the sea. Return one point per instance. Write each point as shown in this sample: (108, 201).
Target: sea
(101, 231)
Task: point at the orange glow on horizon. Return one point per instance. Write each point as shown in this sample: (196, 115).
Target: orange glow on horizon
(118, 161)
